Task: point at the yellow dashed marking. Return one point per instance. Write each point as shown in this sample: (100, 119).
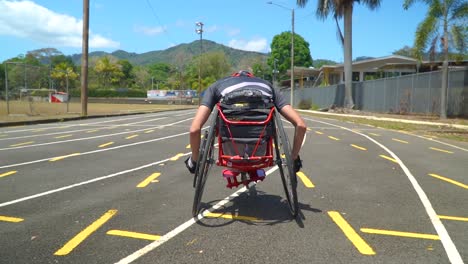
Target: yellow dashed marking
(22, 144)
(176, 157)
(133, 235)
(388, 158)
(351, 234)
(374, 134)
(441, 150)
(358, 147)
(399, 140)
(132, 136)
(64, 157)
(64, 136)
(308, 129)
(400, 234)
(10, 219)
(38, 130)
(92, 131)
(188, 146)
(80, 237)
(448, 180)
(149, 131)
(318, 132)
(230, 216)
(106, 144)
(7, 173)
(148, 180)
(307, 182)
(334, 138)
(454, 218)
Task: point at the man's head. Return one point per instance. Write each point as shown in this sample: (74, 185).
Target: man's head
(242, 73)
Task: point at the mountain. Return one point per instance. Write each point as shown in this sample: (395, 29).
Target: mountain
(178, 55)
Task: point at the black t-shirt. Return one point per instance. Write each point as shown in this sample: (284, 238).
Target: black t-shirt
(217, 90)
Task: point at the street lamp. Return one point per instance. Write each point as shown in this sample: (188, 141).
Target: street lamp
(199, 31)
(292, 48)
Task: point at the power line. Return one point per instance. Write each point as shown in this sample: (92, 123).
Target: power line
(159, 22)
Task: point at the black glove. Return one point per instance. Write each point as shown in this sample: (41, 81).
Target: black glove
(297, 164)
(191, 164)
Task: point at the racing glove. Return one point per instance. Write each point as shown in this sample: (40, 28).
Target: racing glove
(191, 164)
(297, 164)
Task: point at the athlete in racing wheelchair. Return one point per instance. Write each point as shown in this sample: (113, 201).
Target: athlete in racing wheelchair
(250, 135)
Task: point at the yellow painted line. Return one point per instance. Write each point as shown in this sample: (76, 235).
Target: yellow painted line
(454, 218)
(132, 136)
(307, 182)
(92, 131)
(149, 131)
(334, 138)
(64, 136)
(3, 135)
(318, 132)
(441, 150)
(388, 158)
(7, 173)
(106, 144)
(358, 147)
(188, 146)
(133, 235)
(399, 140)
(176, 157)
(148, 180)
(351, 234)
(230, 216)
(448, 180)
(80, 237)
(21, 144)
(399, 233)
(38, 130)
(374, 134)
(309, 129)
(64, 157)
(10, 219)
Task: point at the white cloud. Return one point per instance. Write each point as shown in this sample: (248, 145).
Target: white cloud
(150, 31)
(258, 44)
(211, 29)
(233, 32)
(26, 19)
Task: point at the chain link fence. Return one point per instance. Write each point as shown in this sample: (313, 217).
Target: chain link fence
(415, 93)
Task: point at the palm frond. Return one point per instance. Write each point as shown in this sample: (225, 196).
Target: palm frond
(302, 3)
(371, 4)
(459, 36)
(339, 34)
(425, 30)
(460, 11)
(407, 4)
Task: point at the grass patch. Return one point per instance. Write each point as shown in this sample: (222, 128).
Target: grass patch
(422, 130)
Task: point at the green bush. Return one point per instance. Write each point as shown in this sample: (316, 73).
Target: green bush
(305, 104)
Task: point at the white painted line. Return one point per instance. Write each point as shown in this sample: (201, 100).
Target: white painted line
(449, 246)
(96, 151)
(139, 253)
(100, 136)
(83, 183)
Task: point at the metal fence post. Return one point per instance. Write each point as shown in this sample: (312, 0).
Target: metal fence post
(6, 89)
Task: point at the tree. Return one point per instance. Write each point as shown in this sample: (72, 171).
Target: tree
(445, 21)
(343, 9)
(63, 72)
(214, 66)
(108, 71)
(281, 51)
(405, 51)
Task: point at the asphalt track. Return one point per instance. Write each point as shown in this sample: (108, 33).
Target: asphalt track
(115, 190)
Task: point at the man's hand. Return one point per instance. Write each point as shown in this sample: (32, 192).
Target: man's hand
(297, 164)
(191, 165)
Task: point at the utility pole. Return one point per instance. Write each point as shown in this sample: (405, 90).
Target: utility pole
(84, 60)
(199, 31)
(292, 60)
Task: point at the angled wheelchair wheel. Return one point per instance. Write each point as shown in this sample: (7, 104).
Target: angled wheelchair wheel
(205, 160)
(285, 165)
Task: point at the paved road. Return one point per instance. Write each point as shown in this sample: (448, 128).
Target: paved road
(115, 189)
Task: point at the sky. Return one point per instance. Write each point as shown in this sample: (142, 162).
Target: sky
(146, 25)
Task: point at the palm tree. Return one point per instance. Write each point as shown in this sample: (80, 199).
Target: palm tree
(339, 9)
(442, 14)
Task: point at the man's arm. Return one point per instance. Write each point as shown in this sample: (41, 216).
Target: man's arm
(201, 116)
(300, 128)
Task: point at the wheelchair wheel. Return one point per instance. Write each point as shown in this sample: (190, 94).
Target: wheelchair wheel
(204, 165)
(285, 165)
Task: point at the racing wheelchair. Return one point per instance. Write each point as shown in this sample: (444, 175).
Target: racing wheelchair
(250, 136)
